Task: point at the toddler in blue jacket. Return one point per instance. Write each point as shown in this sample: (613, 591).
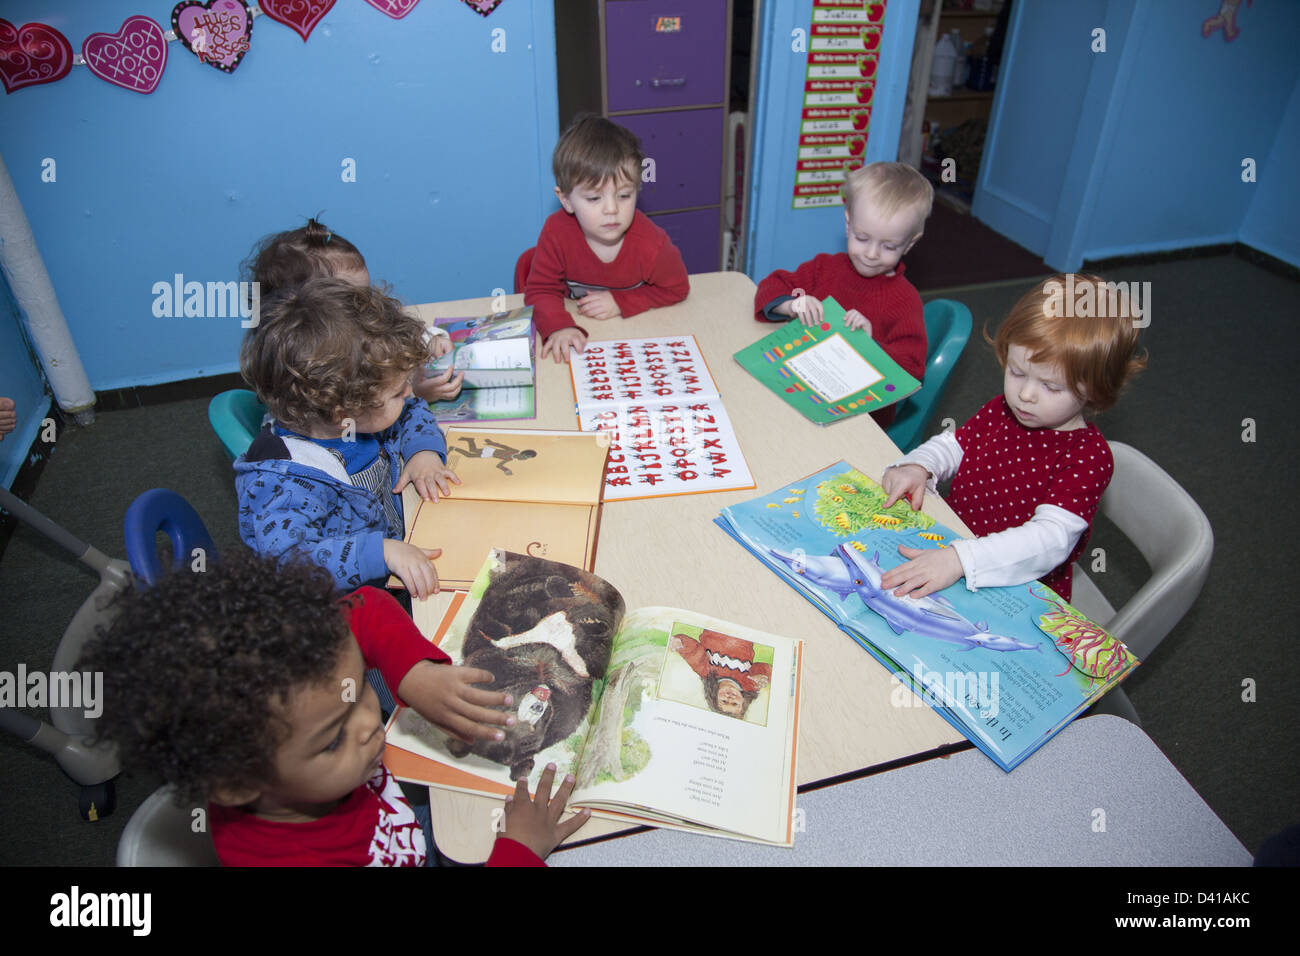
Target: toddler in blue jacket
(333, 363)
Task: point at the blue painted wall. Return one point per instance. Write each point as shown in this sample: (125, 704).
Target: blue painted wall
(451, 141)
(1139, 148)
(1271, 222)
(22, 381)
(779, 237)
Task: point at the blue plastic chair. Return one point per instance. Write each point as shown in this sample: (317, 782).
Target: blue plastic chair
(236, 417)
(947, 327)
(165, 511)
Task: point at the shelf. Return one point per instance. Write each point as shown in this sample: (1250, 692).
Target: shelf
(963, 95)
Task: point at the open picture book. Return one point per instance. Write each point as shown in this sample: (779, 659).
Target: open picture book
(1006, 666)
(827, 372)
(533, 491)
(664, 716)
(655, 399)
(495, 353)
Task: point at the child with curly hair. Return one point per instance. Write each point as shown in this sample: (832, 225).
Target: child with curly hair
(1028, 472)
(242, 686)
(285, 260)
(332, 362)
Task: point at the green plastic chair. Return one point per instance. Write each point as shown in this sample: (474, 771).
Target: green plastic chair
(236, 417)
(947, 327)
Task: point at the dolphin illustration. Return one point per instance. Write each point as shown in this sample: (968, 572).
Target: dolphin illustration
(826, 571)
(930, 616)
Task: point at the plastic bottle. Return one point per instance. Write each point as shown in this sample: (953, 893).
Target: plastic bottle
(945, 55)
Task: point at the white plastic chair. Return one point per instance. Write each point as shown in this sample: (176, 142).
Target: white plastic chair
(161, 833)
(1174, 536)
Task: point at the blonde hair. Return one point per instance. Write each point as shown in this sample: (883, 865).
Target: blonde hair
(1097, 353)
(890, 188)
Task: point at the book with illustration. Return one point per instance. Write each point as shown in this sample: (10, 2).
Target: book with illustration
(532, 491)
(655, 399)
(1007, 666)
(827, 372)
(663, 716)
(495, 353)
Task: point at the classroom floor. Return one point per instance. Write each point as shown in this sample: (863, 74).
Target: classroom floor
(1222, 350)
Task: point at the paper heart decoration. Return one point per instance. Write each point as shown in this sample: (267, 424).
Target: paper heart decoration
(301, 16)
(870, 38)
(482, 7)
(393, 8)
(217, 32)
(132, 58)
(32, 53)
(867, 65)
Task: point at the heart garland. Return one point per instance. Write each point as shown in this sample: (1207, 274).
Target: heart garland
(482, 7)
(132, 58)
(301, 16)
(394, 8)
(217, 32)
(31, 54)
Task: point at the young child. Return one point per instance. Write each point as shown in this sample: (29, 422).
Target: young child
(286, 260)
(885, 208)
(599, 248)
(242, 686)
(1029, 471)
(332, 362)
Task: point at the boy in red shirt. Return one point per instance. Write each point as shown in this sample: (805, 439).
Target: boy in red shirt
(244, 686)
(885, 208)
(598, 249)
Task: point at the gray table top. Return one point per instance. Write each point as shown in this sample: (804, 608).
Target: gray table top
(1100, 794)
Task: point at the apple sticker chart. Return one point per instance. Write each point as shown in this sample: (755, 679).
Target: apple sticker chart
(843, 47)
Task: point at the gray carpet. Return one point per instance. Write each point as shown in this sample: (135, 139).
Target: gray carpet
(1222, 350)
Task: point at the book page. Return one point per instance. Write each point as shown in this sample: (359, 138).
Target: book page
(486, 404)
(697, 723)
(517, 464)
(833, 369)
(668, 449)
(640, 371)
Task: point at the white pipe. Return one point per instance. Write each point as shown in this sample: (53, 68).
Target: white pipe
(25, 271)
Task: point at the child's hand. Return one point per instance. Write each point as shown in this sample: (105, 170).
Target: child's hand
(536, 823)
(8, 417)
(905, 481)
(559, 343)
(413, 565)
(426, 471)
(856, 320)
(438, 388)
(445, 694)
(599, 305)
(807, 310)
(930, 570)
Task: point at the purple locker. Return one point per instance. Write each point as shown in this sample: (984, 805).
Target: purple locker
(665, 53)
(686, 146)
(696, 236)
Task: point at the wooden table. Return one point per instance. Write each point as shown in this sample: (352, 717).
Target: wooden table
(668, 551)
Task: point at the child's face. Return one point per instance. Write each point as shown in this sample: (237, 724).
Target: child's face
(729, 699)
(875, 244)
(1038, 394)
(604, 212)
(377, 419)
(335, 744)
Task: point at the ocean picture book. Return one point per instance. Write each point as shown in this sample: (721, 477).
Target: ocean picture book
(663, 716)
(669, 432)
(1007, 666)
(827, 372)
(495, 353)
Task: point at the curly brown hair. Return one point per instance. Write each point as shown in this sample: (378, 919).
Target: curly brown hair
(286, 259)
(329, 348)
(197, 668)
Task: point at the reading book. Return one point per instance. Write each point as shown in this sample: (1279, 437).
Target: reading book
(537, 492)
(495, 353)
(662, 715)
(1008, 667)
(655, 398)
(827, 372)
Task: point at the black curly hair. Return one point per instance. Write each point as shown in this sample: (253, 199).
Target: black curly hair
(197, 668)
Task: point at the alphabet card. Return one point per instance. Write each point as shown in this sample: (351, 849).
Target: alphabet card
(669, 433)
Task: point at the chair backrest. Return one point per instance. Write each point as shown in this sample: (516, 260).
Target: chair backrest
(165, 511)
(522, 268)
(1174, 536)
(947, 329)
(161, 833)
(236, 417)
